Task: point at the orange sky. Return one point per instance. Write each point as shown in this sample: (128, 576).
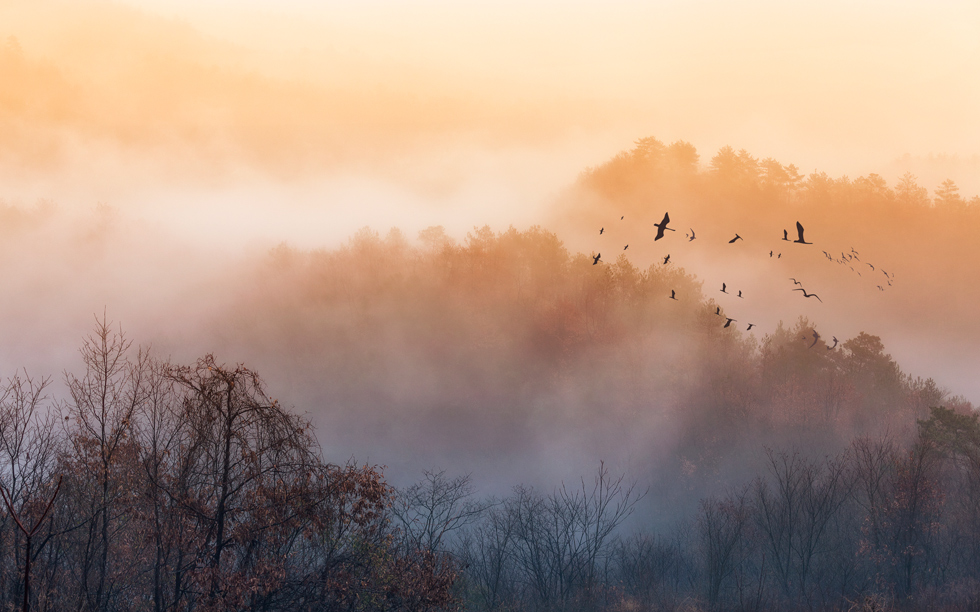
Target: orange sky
(239, 125)
(846, 87)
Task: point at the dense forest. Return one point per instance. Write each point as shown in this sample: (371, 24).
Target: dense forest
(649, 456)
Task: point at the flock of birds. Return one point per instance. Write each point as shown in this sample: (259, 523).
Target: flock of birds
(850, 260)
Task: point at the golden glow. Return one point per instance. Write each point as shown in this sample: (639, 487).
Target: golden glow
(248, 124)
(293, 87)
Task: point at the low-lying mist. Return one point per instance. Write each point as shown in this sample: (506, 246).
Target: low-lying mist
(510, 355)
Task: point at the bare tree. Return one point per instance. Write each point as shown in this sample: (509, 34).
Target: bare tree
(487, 554)
(435, 508)
(28, 447)
(561, 538)
(98, 421)
(721, 526)
(794, 513)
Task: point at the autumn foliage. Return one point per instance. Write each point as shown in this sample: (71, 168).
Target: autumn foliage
(190, 488)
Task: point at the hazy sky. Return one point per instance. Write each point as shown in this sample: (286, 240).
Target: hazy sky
(239, 125)
(836, 84)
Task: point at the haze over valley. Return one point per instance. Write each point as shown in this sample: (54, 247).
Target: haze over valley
(431, 231)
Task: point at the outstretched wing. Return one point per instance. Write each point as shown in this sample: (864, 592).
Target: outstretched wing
(799, 230)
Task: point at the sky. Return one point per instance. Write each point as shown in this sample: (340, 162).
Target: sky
(217, 129)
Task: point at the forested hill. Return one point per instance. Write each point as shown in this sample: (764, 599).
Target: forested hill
(913, 247)
(508, 350)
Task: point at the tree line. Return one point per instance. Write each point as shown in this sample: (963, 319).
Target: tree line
(881, 525)
(160, 486)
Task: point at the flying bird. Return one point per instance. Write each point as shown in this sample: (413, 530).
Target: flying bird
(718, 311)
(751, 325)
(805, 294)
(737, 237)
(602, 229)
(623, 217)
(692, 235)
(816, 338)
(626, 247)
(667, 259)
(739, 293)
(662, 226)
(830, 348)
(796, 282)
(872, 267)
(779, 256)
(595, 259)
(723, 288)
(770, 254)
(728, 322)
(799, 230)
(672, 295)
(785, 235)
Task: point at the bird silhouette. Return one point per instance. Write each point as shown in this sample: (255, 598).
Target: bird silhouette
(601, 229)
(626, 247)
(728, 322)
(816, 338)
(595, 259)
(805, 294)
(872, 267)
(623, 217)
(749, 328)
(780, 256)
(799, 230)
(770, 254)
(723, 288)
(880, 288)
(739, 293)
(737, 237)
(692, 235)
(672, 295)
(830, 348)
(786, 235)
(718, 310)
(667, 259)
(662, 226)
(796, 282)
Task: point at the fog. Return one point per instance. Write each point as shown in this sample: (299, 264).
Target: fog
(154, 157)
